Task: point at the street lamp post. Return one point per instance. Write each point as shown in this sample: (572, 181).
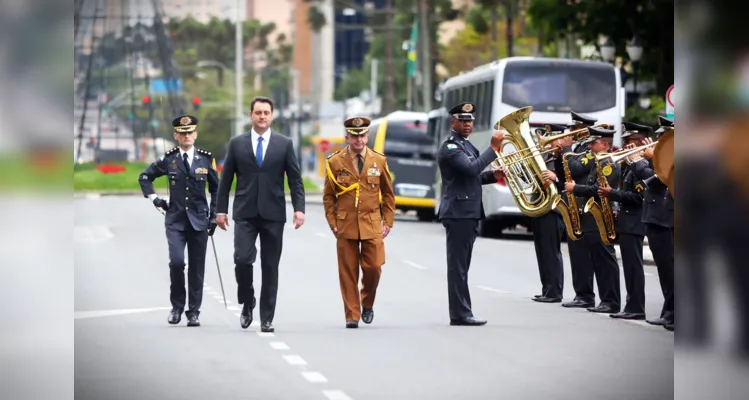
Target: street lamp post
(634, 50)
(608, 50)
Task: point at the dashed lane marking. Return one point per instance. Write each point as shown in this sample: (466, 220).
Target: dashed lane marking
(415, 265)
(107, 313)
(232, 308)
(335, 395)
(265, 334)
(279, 345)
(294, 359)
(490, 289)
(314, 377)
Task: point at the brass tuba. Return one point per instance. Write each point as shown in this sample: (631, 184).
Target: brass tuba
(533, 196)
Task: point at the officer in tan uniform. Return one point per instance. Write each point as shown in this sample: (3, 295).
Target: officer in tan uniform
(360, 207)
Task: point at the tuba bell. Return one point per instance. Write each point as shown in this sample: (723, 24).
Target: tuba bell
(533, 196)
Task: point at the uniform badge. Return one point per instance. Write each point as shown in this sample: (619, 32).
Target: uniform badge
(373, 172)
(584, 161)
(213, 163)
(451, 146)
(589, 155)
(144, 177)
(174, 183)
(185, 121)
(607, 170)
(201, 171)
(639, 188)
(467, 108)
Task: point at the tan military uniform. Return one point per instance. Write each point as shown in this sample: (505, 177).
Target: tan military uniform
(352, 205)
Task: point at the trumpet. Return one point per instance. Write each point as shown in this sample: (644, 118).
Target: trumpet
(543, 142)
(621, 155)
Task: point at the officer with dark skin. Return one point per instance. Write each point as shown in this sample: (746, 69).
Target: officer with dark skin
(658, 216)
(461, 206)
(629, 227)
(190, 219)
(602, 255)
(547, 233)
(579, 166)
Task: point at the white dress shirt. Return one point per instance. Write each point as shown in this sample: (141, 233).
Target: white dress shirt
(190, 155)
(266, 138)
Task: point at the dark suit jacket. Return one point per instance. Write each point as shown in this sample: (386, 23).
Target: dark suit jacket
(629, 198)
(658, 205)
(460, 167)
(590, 189)
(260, 191)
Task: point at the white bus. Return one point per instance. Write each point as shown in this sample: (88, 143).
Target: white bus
(554, 87)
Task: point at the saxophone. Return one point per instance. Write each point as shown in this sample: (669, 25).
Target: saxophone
(569, 209)
(602, 212)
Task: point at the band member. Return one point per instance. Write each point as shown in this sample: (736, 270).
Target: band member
(547, 235)
(629, 227)
(603, 256)
(658, 216)
(461, 207)
(357, 177)
(580, 165)
(261, 160)
(189, 218)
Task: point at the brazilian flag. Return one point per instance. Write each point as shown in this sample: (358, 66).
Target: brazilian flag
(411, 65)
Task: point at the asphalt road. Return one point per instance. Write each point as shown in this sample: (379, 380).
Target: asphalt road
(125, 349)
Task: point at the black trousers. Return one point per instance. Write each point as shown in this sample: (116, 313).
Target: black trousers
(547, 238)
(661, 242)
(606, 270)
(460, 235)
(196, 242)
(245, 253)
(582, 270)
(634, 273)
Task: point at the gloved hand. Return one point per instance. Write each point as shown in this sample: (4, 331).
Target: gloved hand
(212, 225)
(161, 204)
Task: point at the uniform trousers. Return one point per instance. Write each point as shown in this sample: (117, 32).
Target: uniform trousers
(196, 242)
(353, 253)
(605, 266)
(634, 273)
(460, 235)
(547, 238)
(661, 242)
(582, 269)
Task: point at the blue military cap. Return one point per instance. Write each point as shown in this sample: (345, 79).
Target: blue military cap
(600, 133)
(463, 111)
(357, 125)
(665, 124)
(581, 119)
(631, 128)
(185, 124)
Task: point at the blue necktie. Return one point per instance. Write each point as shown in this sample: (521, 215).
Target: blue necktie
(259, 155)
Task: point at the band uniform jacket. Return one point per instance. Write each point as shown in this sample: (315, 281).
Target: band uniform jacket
(580, 166)
(590, 189)
(186, 188)
(461, 168)
(657, 205)
(629, 198)
(352, 199)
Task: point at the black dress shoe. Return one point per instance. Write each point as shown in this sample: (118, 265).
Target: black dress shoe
(577, 304)
(175, 316)
(468, 321)
(669, 327)
(537, 296)
(659, 321)
(367, 315)
(352, 324)
(267, 327)
(603, 308)
(544, 299)
(628, 315)
(193, 320)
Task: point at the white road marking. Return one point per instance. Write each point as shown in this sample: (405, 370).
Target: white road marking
(92, 233)
(489, 289)
(218, 297)
(265, 334)
(634, 321)
(232, 308)
(279, 345)
(335, 395)
(294, 359)
(106, 313)
(413, 264)
(314, 377)
(321, 234)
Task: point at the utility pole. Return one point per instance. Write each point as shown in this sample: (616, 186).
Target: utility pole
(238, 72)
(373, 81)
(426, 62)
(388, 105)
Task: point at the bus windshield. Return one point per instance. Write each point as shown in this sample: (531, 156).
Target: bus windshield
(408, 140)
(559, 87)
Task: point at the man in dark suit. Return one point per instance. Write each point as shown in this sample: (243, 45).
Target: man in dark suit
(260, 159)
(629, 227)
(658, 216)
(603, 256)
(547, 234)
(189, 218)
(461, 205)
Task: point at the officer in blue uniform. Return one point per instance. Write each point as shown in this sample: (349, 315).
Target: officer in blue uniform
(190, 219)
(629, 227)
(461, 208)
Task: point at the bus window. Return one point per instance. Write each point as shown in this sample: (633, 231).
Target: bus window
(408, 139)
(559, 88)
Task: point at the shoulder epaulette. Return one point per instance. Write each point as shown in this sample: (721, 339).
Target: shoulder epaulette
(334, 153)
(377, 152)
(201, 151)
(172, 151)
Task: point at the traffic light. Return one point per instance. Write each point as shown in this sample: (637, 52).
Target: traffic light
(196, 103)
(146, 100)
